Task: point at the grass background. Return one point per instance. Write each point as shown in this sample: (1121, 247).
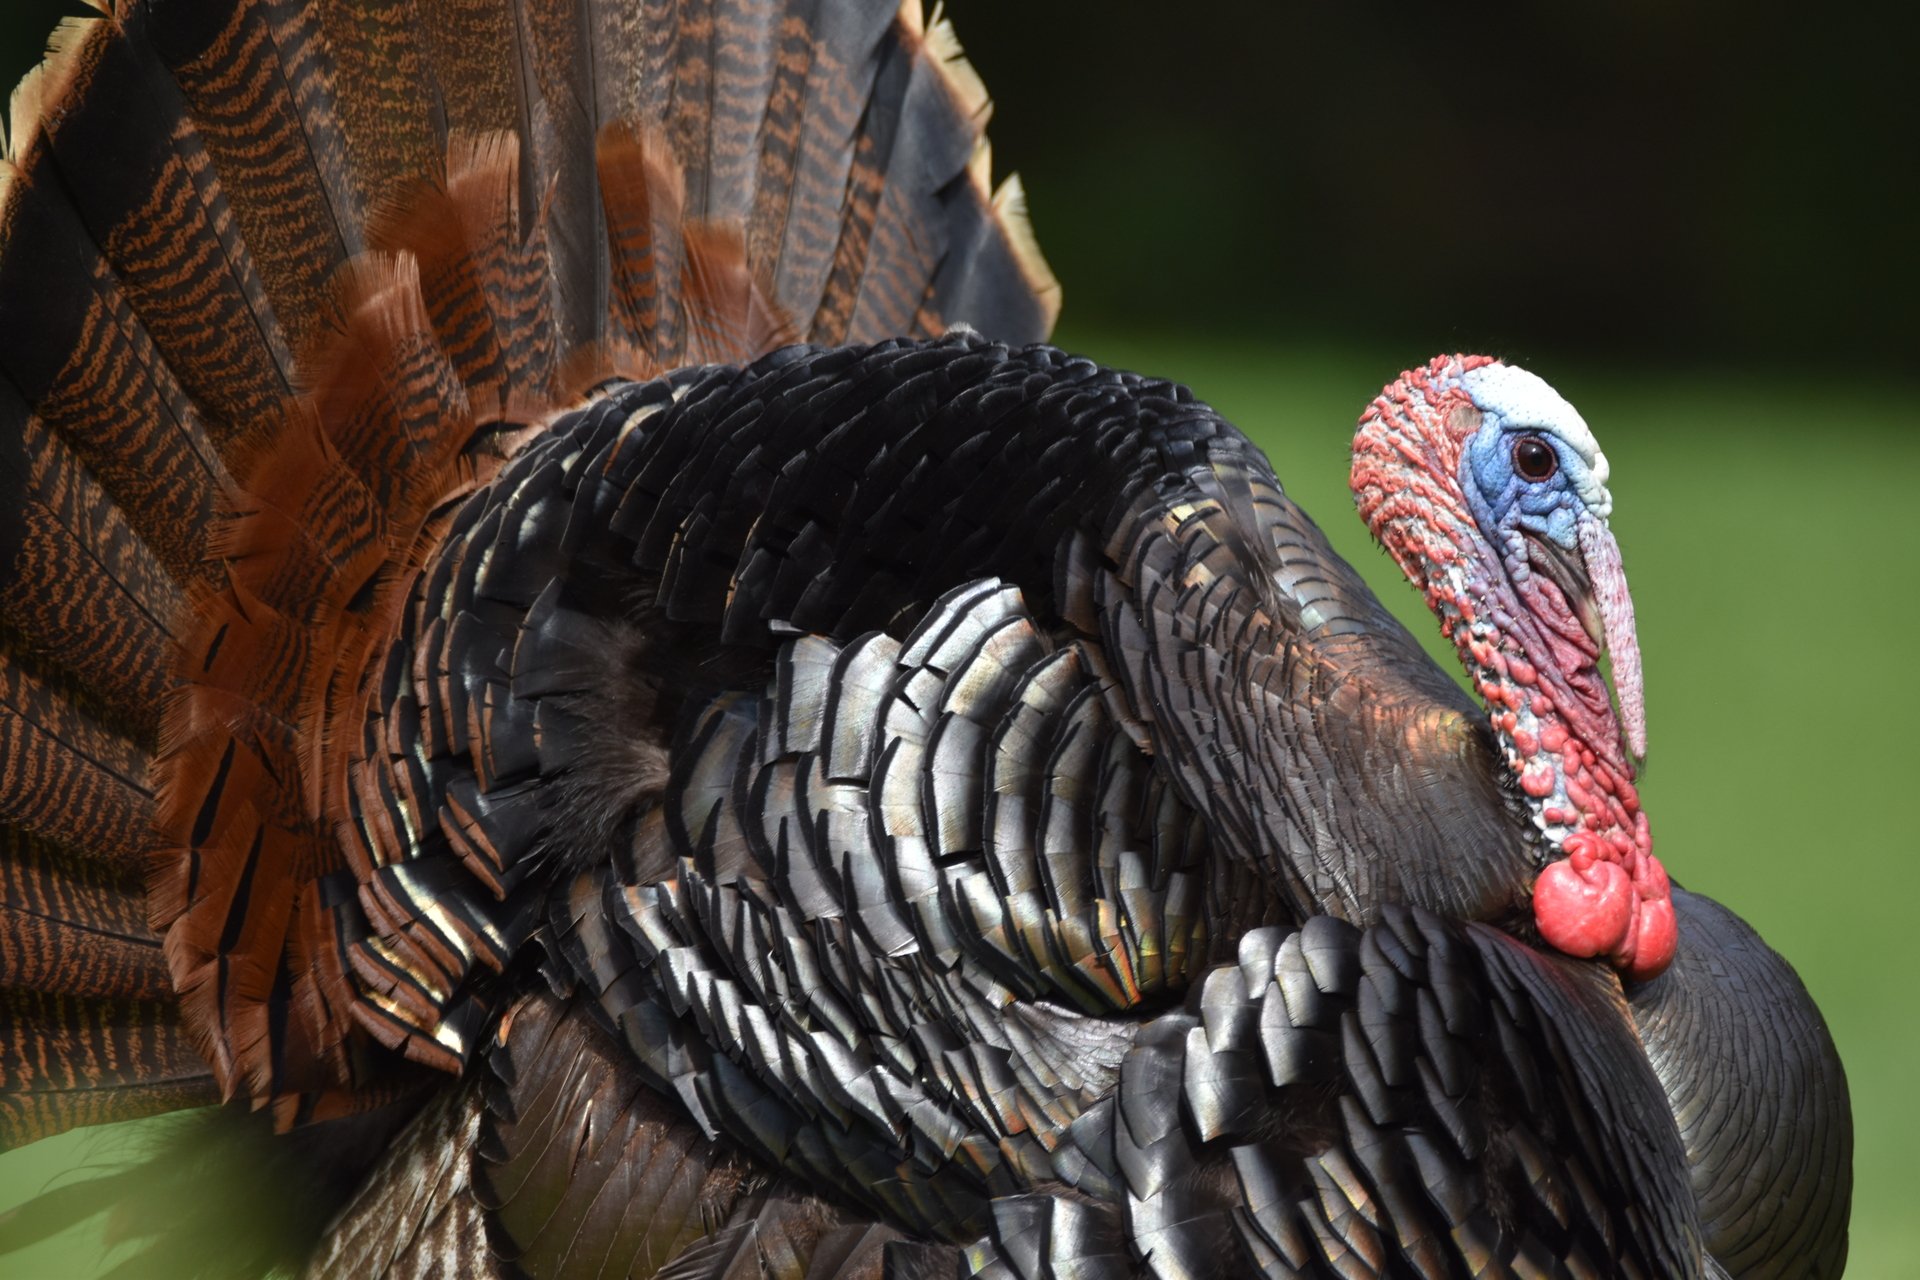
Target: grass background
(1773, 543)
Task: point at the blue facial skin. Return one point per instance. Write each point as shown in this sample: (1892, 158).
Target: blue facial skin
(1504, 501)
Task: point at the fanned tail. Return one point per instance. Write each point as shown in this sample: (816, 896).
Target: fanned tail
(344, 259)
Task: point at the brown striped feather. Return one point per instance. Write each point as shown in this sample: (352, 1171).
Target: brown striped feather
(70, 1060)
(110, 628)
(744, 39)
(389, 401)
(266, 124)
(394, 131)
(643, 191)
(356, 252)
(161, 221)
(505, 256)
(631, 48)
(727, 313)
(473, 53)
(462, 239)
(67, 778)
(688, 68)
(908, 238)
(311, 520)
(74, 928)
(87, 369)
(559, 155)
(817, 101)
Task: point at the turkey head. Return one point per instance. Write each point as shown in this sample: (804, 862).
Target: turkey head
(1490, 492)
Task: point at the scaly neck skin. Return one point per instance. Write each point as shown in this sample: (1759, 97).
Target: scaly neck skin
(1532, 655)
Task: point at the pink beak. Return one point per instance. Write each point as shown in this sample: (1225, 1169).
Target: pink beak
(1609, 586)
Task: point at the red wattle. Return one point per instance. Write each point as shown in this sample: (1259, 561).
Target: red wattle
(1652, 950)
(1585, 911)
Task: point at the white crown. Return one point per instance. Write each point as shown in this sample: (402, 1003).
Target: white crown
(1519, 401)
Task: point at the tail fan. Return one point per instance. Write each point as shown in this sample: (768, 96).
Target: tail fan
(345, 259)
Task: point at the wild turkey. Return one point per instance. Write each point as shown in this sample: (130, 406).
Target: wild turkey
(534, 669)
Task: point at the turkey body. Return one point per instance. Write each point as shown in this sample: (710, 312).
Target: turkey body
(537, 671)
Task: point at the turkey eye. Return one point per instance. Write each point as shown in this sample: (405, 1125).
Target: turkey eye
(1534, 458)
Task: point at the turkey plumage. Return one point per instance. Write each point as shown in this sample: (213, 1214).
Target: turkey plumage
(563, 647)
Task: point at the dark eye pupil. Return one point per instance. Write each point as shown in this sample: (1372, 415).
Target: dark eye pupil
(1534, 458)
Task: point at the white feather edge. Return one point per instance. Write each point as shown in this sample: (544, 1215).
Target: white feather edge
(1010, 207)
(1009, 200)
(46, 83)
(943, 46)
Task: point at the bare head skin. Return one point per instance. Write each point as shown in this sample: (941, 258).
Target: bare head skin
(1490, 492)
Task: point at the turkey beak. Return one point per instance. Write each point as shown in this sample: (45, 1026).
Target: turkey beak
(1609, 595)
(1594, 584)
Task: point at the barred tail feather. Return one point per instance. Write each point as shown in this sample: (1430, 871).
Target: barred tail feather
(345, 260)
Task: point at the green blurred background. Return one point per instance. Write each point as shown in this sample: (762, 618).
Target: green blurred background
(1698, 224)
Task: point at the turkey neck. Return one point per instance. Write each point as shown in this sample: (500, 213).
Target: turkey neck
(1524, 616)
